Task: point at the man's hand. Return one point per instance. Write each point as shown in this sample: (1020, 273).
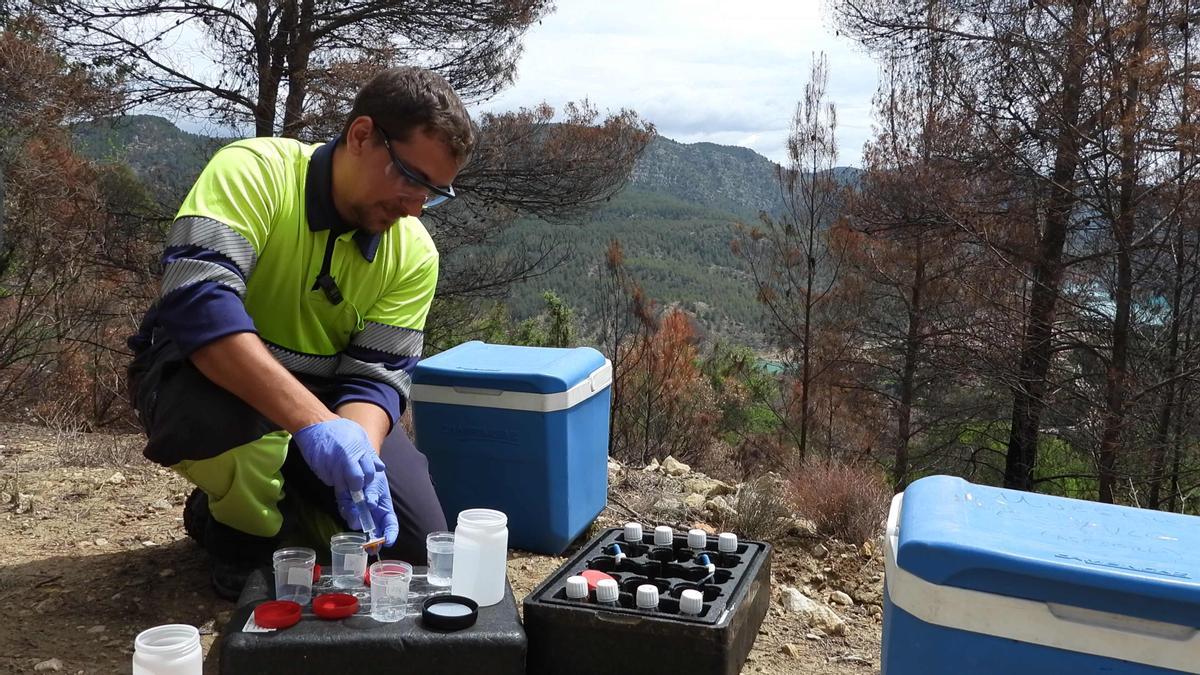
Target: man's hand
(379, 501)
(340, 454)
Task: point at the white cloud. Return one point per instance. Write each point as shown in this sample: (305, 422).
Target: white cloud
(704, 70)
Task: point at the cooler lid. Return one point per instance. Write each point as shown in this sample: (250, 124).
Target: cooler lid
(537, 370)
(1130, 561)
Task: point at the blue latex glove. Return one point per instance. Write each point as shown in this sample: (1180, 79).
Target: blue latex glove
(339, 453)
(379, 501)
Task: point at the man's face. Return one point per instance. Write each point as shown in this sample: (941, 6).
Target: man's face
(384, 192)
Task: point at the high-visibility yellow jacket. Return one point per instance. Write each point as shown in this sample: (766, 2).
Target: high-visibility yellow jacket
(258, 246)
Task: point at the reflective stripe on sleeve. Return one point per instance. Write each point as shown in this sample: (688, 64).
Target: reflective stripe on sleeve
(308, 364)
(396, 379)
(185, 272)
(215, 236)
(390, 339)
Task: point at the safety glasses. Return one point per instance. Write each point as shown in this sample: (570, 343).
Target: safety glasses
(434, 194)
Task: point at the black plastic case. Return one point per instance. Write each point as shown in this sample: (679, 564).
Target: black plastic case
(578, 638)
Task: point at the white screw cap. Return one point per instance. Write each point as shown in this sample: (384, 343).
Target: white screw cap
(727, 542)
(606, 590)
(697, 538)
(691, 602)
(633, 532)
(663, 535)
(577, 588)
(647, 596)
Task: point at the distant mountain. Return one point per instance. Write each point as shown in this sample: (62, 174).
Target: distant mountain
(723, 177)
(675, 218)
(166, 158)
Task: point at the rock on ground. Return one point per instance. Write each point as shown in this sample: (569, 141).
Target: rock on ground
(813, 613)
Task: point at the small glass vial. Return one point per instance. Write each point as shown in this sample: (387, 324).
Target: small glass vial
(697, 540)
(691, 602)
(173, 649)
(577, 589)
(607, 593)
(647, 597)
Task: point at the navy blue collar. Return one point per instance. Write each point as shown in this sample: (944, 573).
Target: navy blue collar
(318, 200)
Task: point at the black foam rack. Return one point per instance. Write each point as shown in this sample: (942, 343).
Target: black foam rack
(495, 645)
(582, 638)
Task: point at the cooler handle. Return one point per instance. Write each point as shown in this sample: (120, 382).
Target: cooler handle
(478, 392)
(623, 619)
(602, 377)
(1120, 622)
(892, 531)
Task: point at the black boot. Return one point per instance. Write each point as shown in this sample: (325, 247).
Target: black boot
(233, 554)
(195, 515)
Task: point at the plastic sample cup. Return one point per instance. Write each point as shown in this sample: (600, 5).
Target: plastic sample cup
(173, 649)
(439, 548)
(389, 590)
(294, 574)
(349, 558)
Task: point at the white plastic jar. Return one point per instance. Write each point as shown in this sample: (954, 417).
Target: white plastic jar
(480, 555)
(173, 649)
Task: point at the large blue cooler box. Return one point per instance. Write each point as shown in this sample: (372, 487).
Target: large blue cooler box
(987, 580)
(520, 429)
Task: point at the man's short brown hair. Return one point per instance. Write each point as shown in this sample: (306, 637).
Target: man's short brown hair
(407, 98)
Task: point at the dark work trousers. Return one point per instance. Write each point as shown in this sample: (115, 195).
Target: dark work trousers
(188, 417)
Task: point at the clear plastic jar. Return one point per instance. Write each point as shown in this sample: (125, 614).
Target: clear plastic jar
(173, 649)
(480, 555)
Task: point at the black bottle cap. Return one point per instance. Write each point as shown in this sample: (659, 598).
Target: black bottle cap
(449, 612)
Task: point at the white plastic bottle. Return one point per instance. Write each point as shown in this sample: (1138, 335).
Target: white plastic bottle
(480, 555)
(647, 597)
(691, 603)
(577, 589)
(727, 545)
(173, 649)
(607, 593)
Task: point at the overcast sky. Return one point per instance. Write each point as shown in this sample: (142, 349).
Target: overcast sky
(722, 71)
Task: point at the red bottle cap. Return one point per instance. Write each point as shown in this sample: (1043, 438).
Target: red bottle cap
(334, 605)
(316, 572)
(277, 614)
(593, 577)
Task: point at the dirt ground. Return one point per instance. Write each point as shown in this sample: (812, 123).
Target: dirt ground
(92, 551)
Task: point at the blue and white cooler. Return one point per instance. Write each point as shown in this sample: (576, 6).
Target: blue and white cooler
(987, 580)
(520, 429)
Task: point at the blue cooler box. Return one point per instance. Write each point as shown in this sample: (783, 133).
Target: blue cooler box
(987, 580)
(520, 429)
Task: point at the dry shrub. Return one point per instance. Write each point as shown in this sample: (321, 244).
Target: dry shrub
(74, 446)
(758, 454)
(844, 501)
(763, 510)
